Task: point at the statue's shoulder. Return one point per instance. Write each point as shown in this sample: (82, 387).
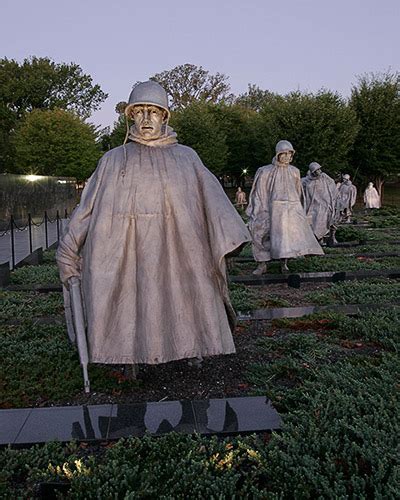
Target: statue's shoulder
(265, 170)
(185, 151)
(294, 170)
(114, 153)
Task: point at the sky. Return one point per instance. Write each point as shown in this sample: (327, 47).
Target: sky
(278, 45)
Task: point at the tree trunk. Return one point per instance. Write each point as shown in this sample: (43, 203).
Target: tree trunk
(379, 182)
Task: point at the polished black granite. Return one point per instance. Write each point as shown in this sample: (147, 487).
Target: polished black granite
(235, 415)
(64, 423)
(153, 418)
(11, 423)
(88, 423)
(370, 255)
(294, 280)
(298, 312)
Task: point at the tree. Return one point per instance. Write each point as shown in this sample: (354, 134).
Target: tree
(40, 83)
(240, 127)
(197, 127)
(320, 126)
(188, 83)
(55, 142)
(254, 98)
(376, 102)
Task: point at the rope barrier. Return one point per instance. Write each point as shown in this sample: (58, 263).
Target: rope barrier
(18, 228)
(6, 230)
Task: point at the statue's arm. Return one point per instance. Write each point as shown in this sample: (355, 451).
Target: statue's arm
(70, 245)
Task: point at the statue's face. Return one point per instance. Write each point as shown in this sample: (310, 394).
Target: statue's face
(285, 157)
(317, 173)
(148, 121)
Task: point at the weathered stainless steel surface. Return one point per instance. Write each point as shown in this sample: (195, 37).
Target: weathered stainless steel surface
(148, 241)
(148, 93)
(347, 197)
(277, 220)
(321, 198)
(371, 197)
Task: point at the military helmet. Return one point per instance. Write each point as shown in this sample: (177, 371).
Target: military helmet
(313, 166)
(148, 93)
(283, 146)
(346, 177)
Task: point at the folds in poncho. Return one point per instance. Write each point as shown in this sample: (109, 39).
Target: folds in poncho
(149, 238)
(347, 195)
(372, 198)
(277, 220)
(320, 202)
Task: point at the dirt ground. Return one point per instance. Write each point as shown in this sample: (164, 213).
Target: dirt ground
(218, 377)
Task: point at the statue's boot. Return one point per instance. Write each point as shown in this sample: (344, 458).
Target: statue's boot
(284, 266)
(332, 241)
(261, 269)
(196, 362)
(131, 371)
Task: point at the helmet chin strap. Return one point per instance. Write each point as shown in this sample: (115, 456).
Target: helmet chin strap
(127, 129)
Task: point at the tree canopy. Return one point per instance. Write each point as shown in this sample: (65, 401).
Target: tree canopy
(197, 127)
(187, 83)
(375, 99)
(40, 83)
(320, 126)
(55, 142)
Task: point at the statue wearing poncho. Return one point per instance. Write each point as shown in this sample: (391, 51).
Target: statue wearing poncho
(148, 241)
(371, 197)
(277, 220)
(321, 198)
(347, 197)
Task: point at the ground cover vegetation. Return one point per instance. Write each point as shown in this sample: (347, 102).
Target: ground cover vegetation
(333, 378)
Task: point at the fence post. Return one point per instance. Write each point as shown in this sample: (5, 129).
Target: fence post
(45, 229)
(58, 225)
(12, 241)
(30, 233)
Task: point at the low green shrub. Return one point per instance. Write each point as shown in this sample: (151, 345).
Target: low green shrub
(339, 440)
(37, 363)
(246, 298)
(372, 291)
(39, 275)
(342, 263)
(49, 257)
(348, 233)
(25, 305)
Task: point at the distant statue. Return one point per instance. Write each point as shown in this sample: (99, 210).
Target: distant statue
(321, 199)
(240, 198)
(371, 197)
(277, 220)
(148, 242)
(347, 198)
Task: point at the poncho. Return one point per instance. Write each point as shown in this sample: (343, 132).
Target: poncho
(149, 239)
(277, 221)
(347, 195)
(372, 198)
(320, 202)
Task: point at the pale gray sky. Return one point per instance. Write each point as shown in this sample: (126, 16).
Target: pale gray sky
(278, 45)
